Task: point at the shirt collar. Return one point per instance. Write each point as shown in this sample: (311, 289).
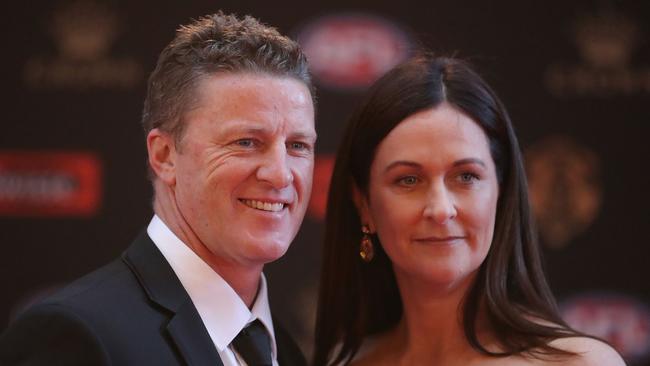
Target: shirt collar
(223, 312)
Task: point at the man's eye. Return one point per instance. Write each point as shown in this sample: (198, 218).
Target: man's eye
(297, 145)
(245, 142)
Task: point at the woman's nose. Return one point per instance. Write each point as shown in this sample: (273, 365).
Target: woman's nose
(440, 206)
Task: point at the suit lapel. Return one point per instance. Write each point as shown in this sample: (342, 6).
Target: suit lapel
(289, 354)
(163, 287)
(191, 337)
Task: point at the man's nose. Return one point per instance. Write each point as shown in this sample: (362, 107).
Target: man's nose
(274, 168)
(440, 206)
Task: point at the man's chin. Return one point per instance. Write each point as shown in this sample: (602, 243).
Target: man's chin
(263, 252)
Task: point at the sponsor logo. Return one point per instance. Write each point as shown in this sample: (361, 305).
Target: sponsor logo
(605, 43)
(83, 31)
(323, 168)
(622, 321)
(565, 188)
(46, 184)
(352, 51)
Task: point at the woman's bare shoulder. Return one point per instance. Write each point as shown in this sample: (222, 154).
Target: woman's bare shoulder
(588, 352)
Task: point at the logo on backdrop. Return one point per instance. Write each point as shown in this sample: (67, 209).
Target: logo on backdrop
(565, 188)
(350, 51)
(323, 167)
(83, 31)
(606, 43)
(621, 320)
(49, 184)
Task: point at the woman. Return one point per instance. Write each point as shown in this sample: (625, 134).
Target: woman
(430, 255)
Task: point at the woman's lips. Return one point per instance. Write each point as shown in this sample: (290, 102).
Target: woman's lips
(439, 239)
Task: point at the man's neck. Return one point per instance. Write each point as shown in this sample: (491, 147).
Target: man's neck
(245, 280)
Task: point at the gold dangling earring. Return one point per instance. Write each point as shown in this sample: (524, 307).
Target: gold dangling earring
(367, 251)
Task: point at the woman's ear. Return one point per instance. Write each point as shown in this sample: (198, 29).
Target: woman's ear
(363, 208)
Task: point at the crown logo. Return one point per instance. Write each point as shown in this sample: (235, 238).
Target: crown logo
(606, 40)
(84, 30)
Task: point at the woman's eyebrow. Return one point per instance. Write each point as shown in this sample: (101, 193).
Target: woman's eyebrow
(417, 165)
(470, 161)
(402, 163)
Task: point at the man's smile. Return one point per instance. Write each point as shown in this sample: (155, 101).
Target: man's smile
(264, 206)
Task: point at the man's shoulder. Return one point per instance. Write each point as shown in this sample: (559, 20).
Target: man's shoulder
(114, 284)
(96, 299)
(104, 285)
(106, 314)
(71, 324)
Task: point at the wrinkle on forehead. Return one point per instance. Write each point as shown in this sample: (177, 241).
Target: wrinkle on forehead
(248, 83)
(250, 105)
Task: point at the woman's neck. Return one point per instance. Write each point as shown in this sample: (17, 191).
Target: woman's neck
(431, 329)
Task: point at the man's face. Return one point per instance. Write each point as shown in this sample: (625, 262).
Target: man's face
(243, 169)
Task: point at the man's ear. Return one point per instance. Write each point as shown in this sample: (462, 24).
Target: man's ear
(162, 155)
(361, 202)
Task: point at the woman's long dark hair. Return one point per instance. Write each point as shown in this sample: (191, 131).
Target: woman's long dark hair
(358, 299)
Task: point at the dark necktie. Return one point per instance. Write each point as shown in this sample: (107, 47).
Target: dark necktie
(254, 344)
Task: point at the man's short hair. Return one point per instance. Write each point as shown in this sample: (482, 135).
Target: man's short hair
(215, 43)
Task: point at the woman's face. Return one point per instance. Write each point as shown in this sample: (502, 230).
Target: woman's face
(432, 197)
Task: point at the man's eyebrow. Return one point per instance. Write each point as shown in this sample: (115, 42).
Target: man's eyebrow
(242, 125)
(254, 129)
(402, 163)
(304, 135)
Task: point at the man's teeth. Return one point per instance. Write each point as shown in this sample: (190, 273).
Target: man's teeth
(266, 206)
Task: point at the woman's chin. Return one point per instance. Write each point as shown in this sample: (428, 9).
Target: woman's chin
(440, 278)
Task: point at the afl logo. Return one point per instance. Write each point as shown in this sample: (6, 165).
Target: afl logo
(352, 51)
(622, 321)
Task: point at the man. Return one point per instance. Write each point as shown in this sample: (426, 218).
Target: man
(229, 120)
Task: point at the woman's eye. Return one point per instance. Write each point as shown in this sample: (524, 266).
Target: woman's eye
(408, 180)
(468, 177)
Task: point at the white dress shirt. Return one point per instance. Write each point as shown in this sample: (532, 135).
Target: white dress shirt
(222, 311)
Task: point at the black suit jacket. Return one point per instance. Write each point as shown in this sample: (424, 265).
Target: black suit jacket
(133, 311)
